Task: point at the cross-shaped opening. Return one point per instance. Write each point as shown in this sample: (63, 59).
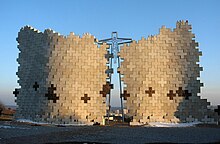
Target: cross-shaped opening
(187, 94)
(36, 86)
(183, 93)
(218, 110)
(150, 92)
(180, 92)
(106, 89)
(85, 98)
(16, 92)
(51, 95)
(171, 94)
(125, 95)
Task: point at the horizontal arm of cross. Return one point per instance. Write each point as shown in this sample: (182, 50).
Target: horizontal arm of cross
(124, 42)
(105, 40)
(125, 39)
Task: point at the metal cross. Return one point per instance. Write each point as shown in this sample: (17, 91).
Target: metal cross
(85, 98)
(115, 41)
(150, 91)
(171, 95)
(36, 86)
(16, 92)
(51, 95)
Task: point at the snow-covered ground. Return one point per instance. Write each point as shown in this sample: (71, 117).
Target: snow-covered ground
(152, 124)
(10, 127)
(43, 123)
(6, 127)
(160, 124)
(32, 122)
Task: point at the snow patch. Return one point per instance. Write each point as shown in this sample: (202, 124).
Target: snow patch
(160, 124)
(44, 123)
(11, 127)
(32, 122)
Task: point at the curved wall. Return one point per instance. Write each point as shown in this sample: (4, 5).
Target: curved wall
(61, 77)
(162, 77)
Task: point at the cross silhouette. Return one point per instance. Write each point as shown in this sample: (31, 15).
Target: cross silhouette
(85, 98)
(180, 92)
(51, 95)
(125, 95)
(187, 94)
(35, 86)
(183, 93)
(106, 89)
(218, 110)
(16, 92)
(171, 95)
(108, 55)
(150, 91)
(109, 71)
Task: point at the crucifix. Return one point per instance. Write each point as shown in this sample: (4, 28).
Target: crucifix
(114, 43)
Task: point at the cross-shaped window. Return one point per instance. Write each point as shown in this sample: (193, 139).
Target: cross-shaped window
(150, 91)
(187, 94)
(106, 89)
(183, 93)
(218, 110)
(180, 92)
(125, 95)
(51, 95)
(171, 95)
(16, 92)
(36, 86)
(85, 98)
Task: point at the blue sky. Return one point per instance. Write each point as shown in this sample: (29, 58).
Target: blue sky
(131, 18)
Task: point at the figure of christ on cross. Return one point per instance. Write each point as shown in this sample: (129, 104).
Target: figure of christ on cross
(115, 41)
